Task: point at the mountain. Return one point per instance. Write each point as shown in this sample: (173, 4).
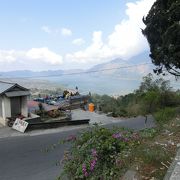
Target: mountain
(112, 65)
(131, 68)
(117, 79)
(27, 73)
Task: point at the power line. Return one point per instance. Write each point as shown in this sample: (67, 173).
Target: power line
(85, 72)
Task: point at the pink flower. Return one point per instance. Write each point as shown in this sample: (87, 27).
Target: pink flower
(125, 139)
(117, 135)
(94, 153)
(84, 170)
(92, 165)
(86, 174)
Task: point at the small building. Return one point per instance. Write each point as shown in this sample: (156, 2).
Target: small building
(13, 101)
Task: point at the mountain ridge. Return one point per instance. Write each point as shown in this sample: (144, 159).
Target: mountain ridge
(115, 63)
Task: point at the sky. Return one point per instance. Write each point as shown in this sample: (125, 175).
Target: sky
(66, 34)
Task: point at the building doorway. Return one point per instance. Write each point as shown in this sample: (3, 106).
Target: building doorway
(15, 106)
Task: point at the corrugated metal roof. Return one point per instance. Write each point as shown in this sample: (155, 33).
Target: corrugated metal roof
(5, 86)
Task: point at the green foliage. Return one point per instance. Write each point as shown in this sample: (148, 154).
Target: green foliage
(124, 101)
(165, 115)
(134, 110)
(119, 107)
(148, 133)
(119, 112)
(97, 153)
(152, 154)
(151, 101)
(152, 95)
(104, 103)
(163, 34)
(151, 84)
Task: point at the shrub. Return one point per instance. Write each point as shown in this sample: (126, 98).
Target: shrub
(96, 154)
(119, 112)
(134, 110)
(165, 115)
(148, 133)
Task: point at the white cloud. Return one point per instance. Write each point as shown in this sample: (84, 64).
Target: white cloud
(33, 59)
(55, 31)
(7, 56)
(44, 54)
(66, 32)
(125, 41)
(90, 53)
(78, 41)
(46, 29)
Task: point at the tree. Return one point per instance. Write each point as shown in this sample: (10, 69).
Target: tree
(163, 34)
(151, 100)
(149, 83)
(155, 92)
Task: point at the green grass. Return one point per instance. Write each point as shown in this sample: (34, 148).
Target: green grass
(165, 115)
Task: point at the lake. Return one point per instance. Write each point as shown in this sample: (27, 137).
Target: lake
(97, 84)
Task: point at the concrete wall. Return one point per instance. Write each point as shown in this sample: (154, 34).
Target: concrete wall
(2, 121)
(24, 108)
(0, 106)
(1, 113)
(6, 107)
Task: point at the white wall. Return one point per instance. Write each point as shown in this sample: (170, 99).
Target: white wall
(2, 121)
(6, 107)
(1, 112)
(0, 106)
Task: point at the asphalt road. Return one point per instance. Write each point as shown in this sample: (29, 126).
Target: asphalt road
(24, 158)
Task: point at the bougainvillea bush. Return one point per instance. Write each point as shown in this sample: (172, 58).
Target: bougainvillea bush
(99, 153)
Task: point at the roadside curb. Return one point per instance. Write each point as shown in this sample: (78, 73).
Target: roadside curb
(173, 172)
(13, 133)
(130, 123)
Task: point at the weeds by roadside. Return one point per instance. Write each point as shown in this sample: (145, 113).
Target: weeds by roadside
(107, 154)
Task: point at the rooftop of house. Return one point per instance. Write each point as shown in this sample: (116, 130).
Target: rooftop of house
(7, 86)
